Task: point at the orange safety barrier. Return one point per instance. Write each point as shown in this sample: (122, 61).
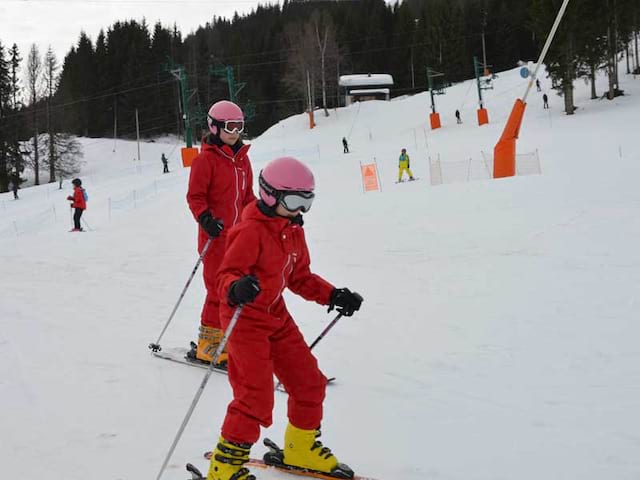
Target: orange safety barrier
(483, 116)
(188, 154)
(370, 177)
(504, 153)
(434, 118)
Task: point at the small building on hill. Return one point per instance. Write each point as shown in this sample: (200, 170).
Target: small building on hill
(368, 86)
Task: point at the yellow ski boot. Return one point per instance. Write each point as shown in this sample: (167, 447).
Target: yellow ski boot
(208, 342)
(227, 461)
(302, 450)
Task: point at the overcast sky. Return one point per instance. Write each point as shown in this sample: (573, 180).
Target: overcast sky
(58, 22)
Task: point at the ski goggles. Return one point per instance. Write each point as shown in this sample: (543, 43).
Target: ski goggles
(233, 126)
(229, 126)
(294, 201)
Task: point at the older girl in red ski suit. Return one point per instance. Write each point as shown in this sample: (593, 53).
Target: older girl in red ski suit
(220, 185)
(267, 253)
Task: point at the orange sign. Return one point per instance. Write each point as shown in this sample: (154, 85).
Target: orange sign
(188, 154)
(370, 177)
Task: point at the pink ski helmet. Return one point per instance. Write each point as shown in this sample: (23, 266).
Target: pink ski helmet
(226, 115)
(288, 182)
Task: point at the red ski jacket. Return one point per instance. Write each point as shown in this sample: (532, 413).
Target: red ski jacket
(274, 250)
(78, 199)
(222, 182)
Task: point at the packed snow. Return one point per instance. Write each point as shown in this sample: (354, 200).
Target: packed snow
(498, 338)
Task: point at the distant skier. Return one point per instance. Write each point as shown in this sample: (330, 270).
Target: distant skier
(266, 253)
(538, 85)
(345, 145)
(545, 101)
(78, 203)
(220, 185)
(458, 119)
(404, 165)
(14, 187)
(165, 164)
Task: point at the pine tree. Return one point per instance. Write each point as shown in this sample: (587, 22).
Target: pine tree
(592, 47)
(5, 103)
(16, 123)
(51, 81)
(34, 74)
(562, 61)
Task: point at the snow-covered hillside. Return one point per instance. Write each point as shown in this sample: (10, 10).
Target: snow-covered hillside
(498, 338)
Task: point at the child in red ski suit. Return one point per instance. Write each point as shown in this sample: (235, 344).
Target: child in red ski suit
(220, 185)
(266, 253)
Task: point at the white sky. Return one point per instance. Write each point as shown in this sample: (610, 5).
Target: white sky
(58, 22)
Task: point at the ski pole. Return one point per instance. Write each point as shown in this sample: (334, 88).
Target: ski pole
(155, 347)
(320, 337)
(325, 331)
(214, 360)
(87, 225)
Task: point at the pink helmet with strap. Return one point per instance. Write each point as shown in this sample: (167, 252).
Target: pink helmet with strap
(223, 113)
(288, 182)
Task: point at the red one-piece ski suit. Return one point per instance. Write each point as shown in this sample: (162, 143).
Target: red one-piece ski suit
(220, 181)
(266, 340)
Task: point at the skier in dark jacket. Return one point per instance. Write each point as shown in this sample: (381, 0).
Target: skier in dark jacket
(165, 164)
(14, 187)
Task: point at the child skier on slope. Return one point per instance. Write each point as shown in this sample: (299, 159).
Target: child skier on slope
(266, 252)
(78, 203)
(220, 185)
(403, 165)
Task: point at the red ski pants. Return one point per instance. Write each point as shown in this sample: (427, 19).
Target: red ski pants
(210, 315)
(256, 352)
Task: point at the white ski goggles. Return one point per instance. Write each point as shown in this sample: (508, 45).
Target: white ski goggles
(229, 126)
(233, 126)
(294, 201)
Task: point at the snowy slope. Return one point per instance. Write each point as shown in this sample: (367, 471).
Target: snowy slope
(498, 338)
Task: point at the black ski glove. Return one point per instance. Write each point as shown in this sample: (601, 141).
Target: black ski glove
(211, 225)
(244, 290)
(346, 301)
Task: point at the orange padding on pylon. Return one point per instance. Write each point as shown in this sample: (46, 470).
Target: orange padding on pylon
(483, 116)
(188, 154)
(312, 121)
(504, 153)
(434, 118)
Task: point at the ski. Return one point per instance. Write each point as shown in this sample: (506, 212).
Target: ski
(408, 181)
(186, 356)
(298, 472)
(269, 463)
